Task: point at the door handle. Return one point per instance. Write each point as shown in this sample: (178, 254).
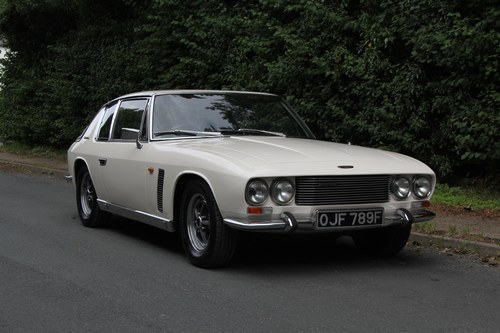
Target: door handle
(103, 161)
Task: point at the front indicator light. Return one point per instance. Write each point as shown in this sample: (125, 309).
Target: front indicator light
(254, 210)
(259, 210)
(420, 204)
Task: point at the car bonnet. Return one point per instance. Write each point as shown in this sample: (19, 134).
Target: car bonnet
(295, 156)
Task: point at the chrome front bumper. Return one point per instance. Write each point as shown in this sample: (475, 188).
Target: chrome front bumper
(288, 223)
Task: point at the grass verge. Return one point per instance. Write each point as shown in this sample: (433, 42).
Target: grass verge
(472, 198)
(457, 232)
(36, 152)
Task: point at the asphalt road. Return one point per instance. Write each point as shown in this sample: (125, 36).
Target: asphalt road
(58, 276)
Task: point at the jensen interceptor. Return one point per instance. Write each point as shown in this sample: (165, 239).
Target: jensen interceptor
(213, 164)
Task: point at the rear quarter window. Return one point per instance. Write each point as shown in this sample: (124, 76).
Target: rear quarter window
(107, 119)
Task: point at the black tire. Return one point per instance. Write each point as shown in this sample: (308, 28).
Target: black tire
(86, 201)
(387, 241)
(207, 241)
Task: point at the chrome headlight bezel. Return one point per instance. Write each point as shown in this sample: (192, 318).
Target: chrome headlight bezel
(401, 187)
(421, 186)
(282, 191)
(256, 192)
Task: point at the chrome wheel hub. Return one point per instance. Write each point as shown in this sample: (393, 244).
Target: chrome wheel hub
(87, 196)
(198, 223)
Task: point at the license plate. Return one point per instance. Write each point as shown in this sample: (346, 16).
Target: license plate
(341, 218)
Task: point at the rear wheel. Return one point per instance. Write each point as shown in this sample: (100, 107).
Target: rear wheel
(207, 241)
(387, 241)
(86, 200)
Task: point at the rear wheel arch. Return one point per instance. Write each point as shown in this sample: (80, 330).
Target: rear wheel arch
(79, 163)
(87, 199)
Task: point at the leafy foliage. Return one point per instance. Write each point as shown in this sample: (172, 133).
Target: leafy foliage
(419, 77)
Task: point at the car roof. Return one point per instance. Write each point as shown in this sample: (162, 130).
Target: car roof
(187, 91)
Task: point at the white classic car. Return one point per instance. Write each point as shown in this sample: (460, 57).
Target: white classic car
(211, 164)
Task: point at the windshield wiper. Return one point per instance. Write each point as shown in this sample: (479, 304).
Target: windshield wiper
(185, 133)
(249, 131)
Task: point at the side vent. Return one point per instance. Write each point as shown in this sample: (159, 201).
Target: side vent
(159, 190)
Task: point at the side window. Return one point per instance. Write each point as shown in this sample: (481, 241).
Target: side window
(128, 119)
(105, 127)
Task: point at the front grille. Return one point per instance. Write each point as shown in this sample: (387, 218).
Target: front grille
(337, 190)
(159, 190)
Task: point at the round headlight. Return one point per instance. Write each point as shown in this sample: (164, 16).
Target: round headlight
(282, 191)
(422, 187)
(401, 187)
(256, 192)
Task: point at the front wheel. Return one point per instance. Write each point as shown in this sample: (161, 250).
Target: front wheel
(86, 200)
(207, 241)
(387, 241)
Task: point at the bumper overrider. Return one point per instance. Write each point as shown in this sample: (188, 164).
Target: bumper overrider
(287, 222)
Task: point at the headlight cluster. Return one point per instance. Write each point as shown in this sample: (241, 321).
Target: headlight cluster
(420, 186)
(257, 191)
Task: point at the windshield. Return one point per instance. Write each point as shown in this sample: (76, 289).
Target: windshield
(225, 113)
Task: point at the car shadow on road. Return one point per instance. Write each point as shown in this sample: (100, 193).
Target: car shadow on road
(313, 252)
(145, 233)
(272, 252)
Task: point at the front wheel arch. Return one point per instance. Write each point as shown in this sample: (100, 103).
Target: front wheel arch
(180, 185)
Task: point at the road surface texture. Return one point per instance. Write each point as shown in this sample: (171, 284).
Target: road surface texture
(58, 276)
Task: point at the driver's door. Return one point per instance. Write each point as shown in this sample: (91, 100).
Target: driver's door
(122, 162)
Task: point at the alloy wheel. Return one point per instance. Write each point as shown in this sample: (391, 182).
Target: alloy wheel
(198, 223)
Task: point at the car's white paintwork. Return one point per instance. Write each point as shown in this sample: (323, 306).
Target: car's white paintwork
(129, 178)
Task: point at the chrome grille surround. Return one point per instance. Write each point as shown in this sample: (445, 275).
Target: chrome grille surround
(342, 190)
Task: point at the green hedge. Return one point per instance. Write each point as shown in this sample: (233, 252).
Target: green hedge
(419, 77)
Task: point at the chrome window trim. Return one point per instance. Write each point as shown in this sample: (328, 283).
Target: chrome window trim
(302, 125)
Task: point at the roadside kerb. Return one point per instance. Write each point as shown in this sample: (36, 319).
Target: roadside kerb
(58, 173)
(487, 249)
